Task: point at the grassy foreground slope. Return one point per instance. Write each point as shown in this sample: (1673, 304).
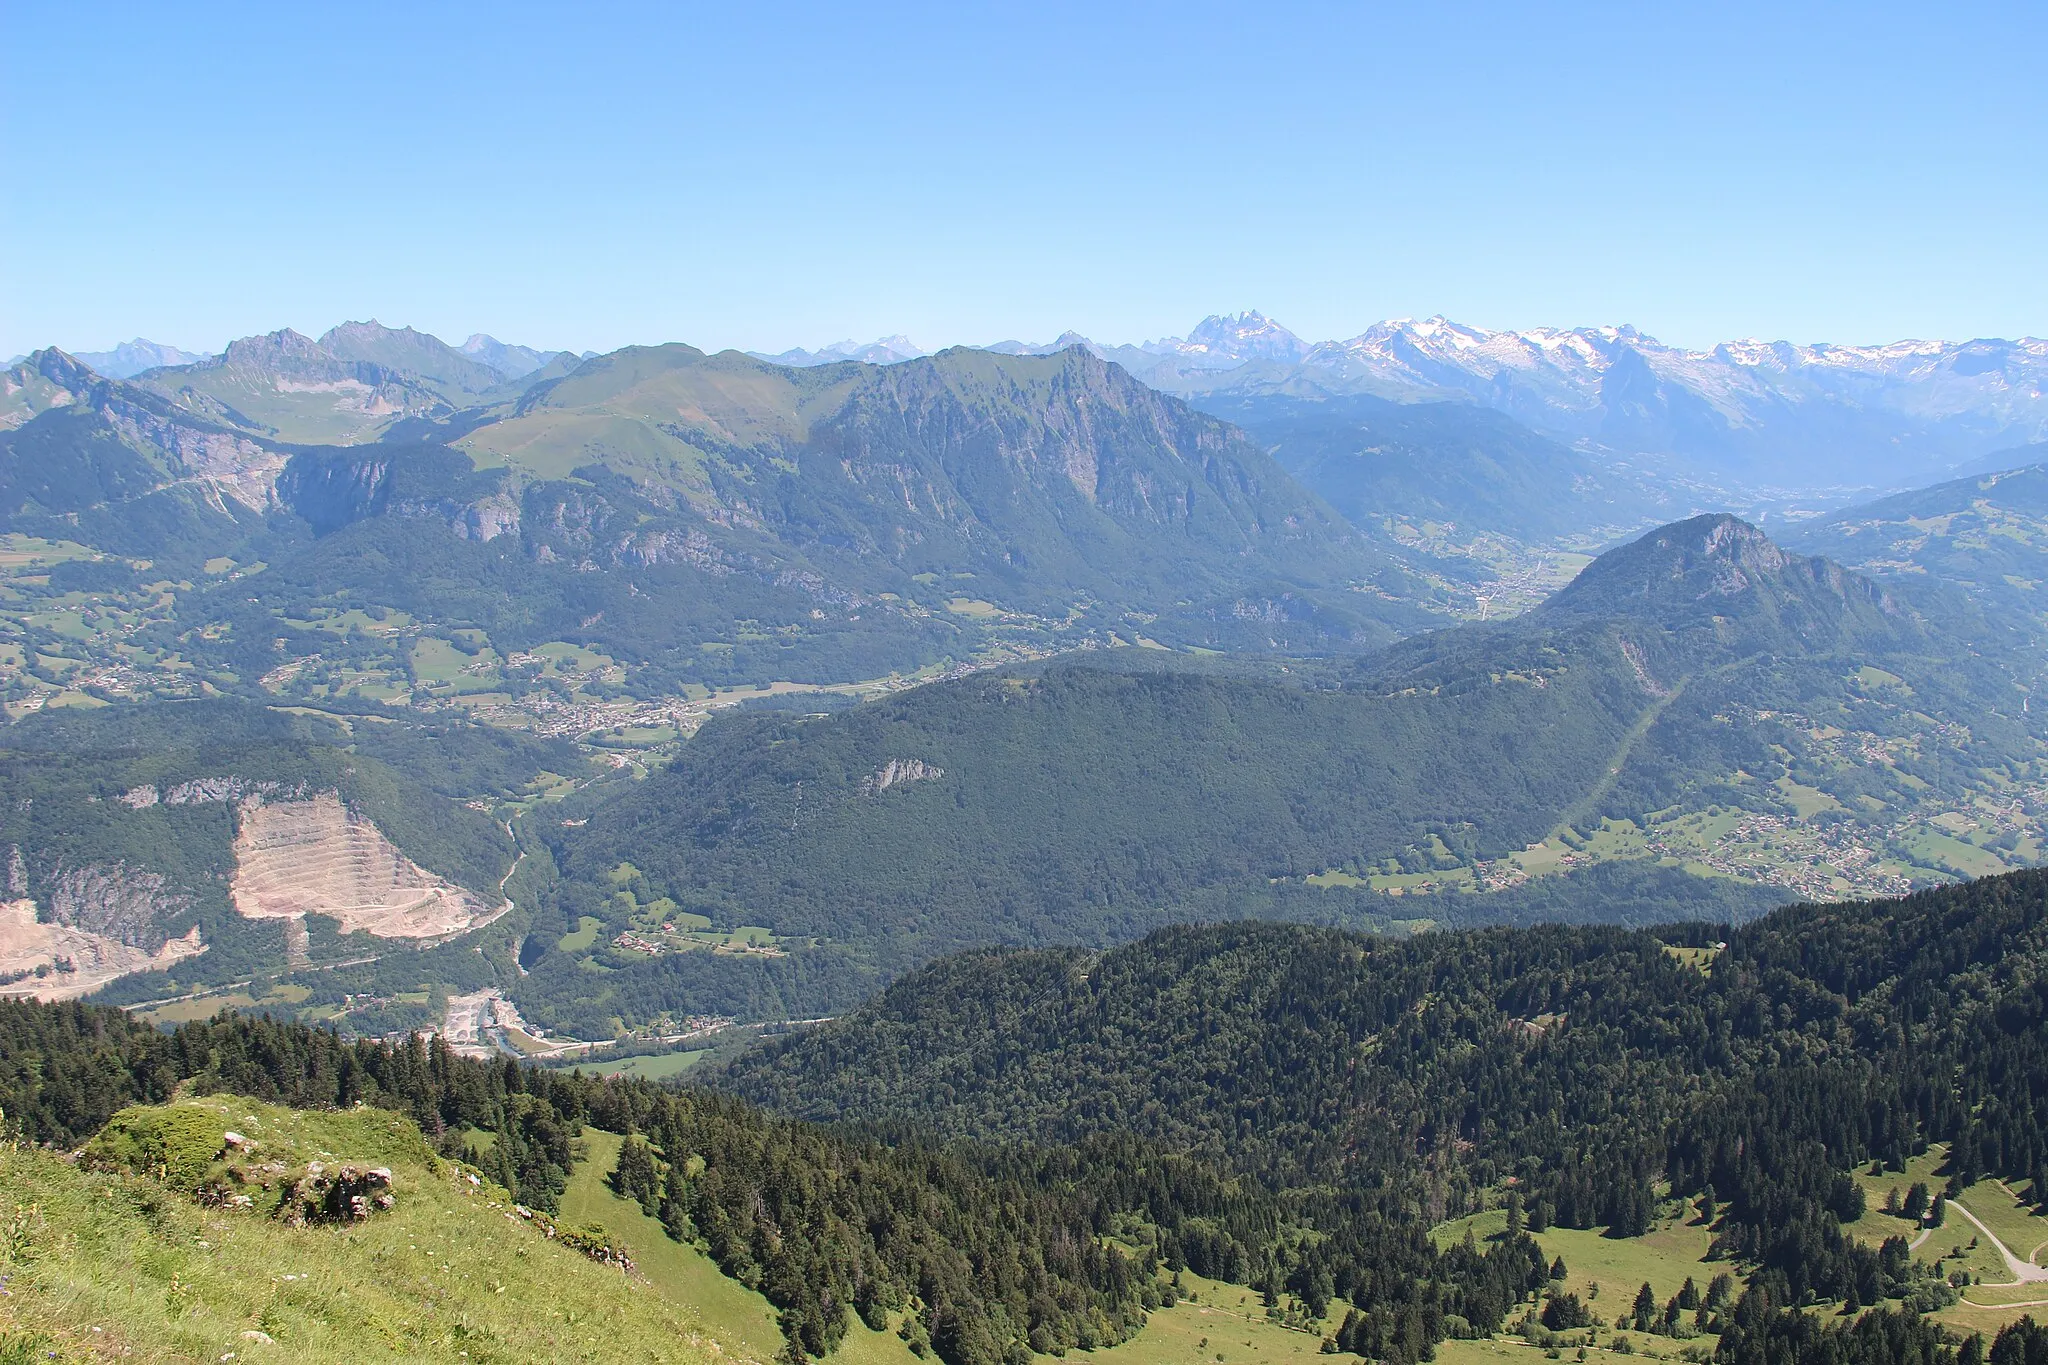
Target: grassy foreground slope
(741, 1319)
(975, 1261)
(100, 1263)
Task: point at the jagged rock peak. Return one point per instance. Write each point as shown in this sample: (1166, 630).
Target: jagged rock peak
(1249, 335)
(60, 367)
(1729, 548)
(374, 330)
(272, 346)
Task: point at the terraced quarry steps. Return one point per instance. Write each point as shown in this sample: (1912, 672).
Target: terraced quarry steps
(295, 858)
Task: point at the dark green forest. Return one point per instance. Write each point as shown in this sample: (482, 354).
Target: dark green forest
(1700, 669)
(1597, 1068)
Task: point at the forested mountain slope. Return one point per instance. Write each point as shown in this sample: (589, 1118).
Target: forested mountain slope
(1590, 1066)
(113, 465)
(1396, 466)
(1697, 699)
(253, 842)
(1290, 1109)
(1305, 1052)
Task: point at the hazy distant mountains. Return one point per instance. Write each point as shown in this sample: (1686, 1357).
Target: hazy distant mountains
(1745, 416)
(131, 358)
(1984, 536)
(1749, 413)
(284, 361)
(1447, 471)
(887, 351)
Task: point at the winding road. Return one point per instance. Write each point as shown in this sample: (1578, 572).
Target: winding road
(2022, 1272)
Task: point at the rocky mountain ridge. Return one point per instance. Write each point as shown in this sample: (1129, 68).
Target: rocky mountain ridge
(1762, 414)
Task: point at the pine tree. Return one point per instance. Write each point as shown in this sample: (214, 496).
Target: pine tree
(1644, 1313)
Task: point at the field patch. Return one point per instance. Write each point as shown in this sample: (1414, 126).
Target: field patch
(1222, 1322)
(659, 1067)
(583, 936)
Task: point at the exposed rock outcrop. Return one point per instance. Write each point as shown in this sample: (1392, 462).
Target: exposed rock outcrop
(127, 904)
(48, 961)
(897, 772)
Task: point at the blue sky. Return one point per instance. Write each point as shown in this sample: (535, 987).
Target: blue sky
(780, 174)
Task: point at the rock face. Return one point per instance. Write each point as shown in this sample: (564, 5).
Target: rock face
(60, 962)
(239, 467)
(43, 380)
(897, 772)
(56, 412)
(346, 1194)
(295, 858)
(126, 904)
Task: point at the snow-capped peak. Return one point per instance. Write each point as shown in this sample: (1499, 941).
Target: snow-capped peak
(1249, 335)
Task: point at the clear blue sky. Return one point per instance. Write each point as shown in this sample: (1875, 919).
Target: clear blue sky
(766, 175)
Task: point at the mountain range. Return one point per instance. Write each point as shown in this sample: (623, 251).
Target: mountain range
(1263, 840)
(1753, 415)
(697, 520)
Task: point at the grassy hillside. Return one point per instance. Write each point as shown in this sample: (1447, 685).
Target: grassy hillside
(967, 1254)
(1985, 537)
(104, 1262)
(352, 385)
(740, 1319)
